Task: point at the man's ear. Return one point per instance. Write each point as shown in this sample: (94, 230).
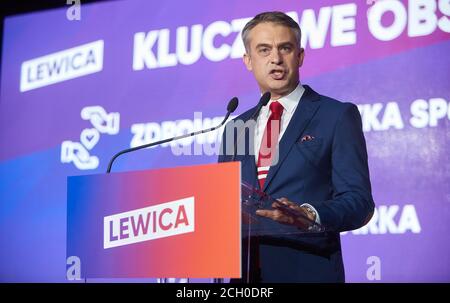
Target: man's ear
(247, 61)
(301, 56)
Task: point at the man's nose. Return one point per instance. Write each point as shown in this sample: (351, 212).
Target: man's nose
(276, 57)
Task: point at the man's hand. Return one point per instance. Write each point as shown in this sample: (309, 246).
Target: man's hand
(289, 213)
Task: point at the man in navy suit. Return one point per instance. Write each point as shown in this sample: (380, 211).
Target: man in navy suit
(308, 151)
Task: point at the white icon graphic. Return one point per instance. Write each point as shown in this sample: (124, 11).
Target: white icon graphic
(103, 122)
(78, 152)
(75, 152)
(89, 137)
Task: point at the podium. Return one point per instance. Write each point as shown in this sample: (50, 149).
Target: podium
(184, 222)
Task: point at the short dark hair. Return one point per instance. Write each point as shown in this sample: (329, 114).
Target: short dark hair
(273, 17)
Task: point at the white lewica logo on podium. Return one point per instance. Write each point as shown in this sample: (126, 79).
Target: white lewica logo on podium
(149, 223)
(63, 65)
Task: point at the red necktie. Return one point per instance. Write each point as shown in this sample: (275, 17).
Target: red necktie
(269, 142)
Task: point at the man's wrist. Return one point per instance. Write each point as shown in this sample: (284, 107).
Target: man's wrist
(312, 212)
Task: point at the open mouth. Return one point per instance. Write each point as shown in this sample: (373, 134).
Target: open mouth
(277, 74)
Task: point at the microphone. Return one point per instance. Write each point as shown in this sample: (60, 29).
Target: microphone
(265, 98)
(231, 107)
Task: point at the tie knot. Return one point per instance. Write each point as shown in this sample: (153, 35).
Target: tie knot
(276, 108)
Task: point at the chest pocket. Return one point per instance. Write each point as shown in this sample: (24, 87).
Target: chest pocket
(312, 152)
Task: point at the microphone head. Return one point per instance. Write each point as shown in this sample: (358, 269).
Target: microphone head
(265, 98)
(232, 105)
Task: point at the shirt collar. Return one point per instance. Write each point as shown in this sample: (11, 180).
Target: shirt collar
(290, 101)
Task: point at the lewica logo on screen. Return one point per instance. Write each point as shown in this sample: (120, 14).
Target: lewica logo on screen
(63, 65)
(149, 223)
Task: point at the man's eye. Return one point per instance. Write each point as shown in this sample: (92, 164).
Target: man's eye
(264, 51)
(286, 49)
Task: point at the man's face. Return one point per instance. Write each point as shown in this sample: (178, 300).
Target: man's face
(274, 57)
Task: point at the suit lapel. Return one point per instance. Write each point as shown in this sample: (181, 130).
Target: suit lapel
(303, 114)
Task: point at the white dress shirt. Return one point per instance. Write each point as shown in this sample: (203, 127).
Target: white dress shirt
(290, 103)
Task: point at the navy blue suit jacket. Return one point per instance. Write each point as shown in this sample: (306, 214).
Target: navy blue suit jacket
(329, 172)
